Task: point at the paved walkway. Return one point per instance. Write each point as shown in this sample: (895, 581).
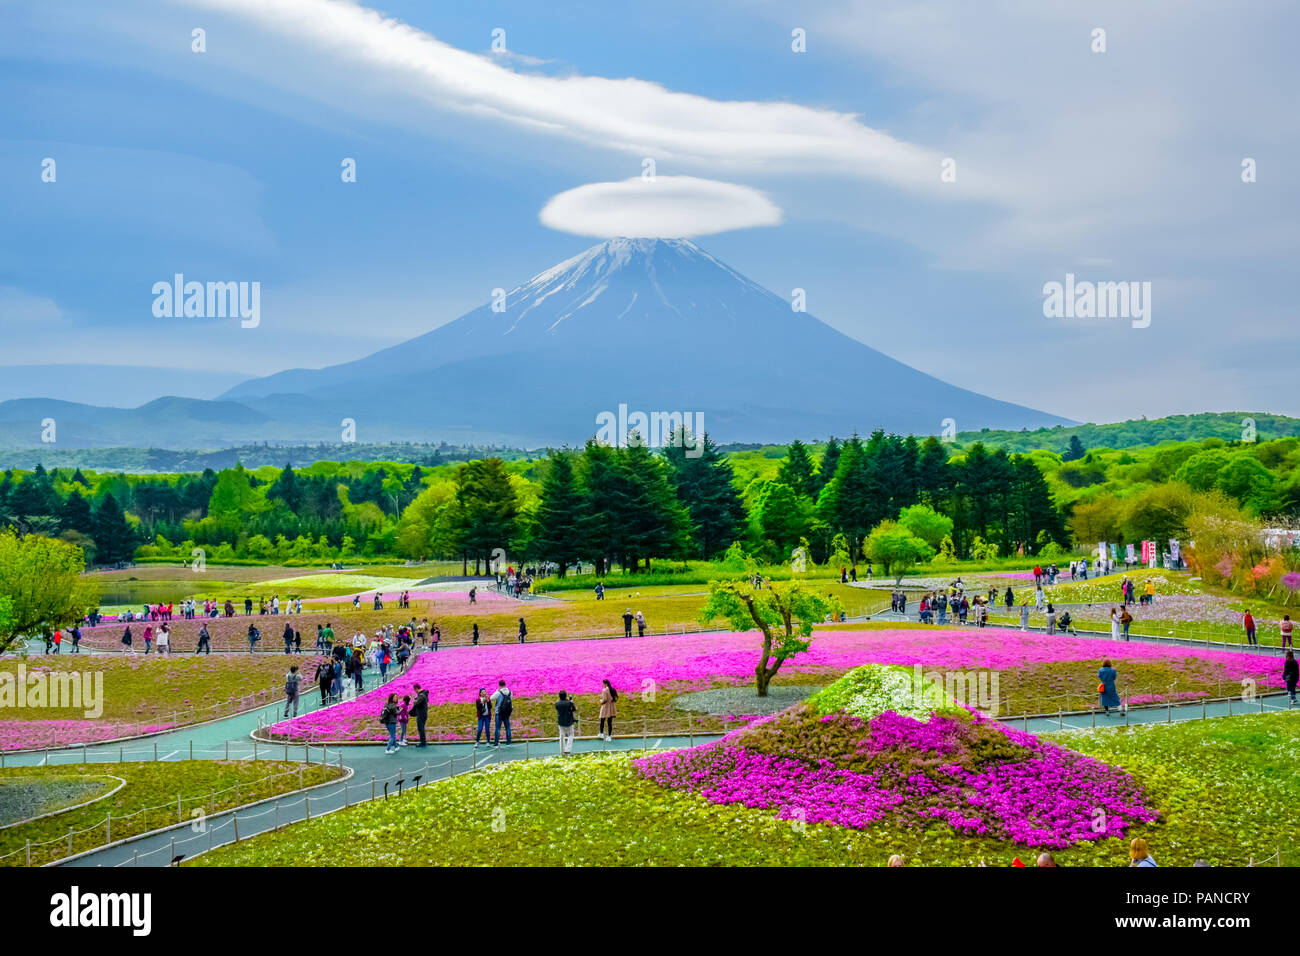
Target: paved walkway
(372, 768)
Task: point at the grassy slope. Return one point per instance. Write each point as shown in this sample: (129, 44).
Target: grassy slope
(149, 785)
(1225, 789)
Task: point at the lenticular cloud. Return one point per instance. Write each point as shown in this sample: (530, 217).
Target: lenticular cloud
(659, 207)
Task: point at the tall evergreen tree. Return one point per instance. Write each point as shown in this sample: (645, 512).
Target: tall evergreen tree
(797, 471)
(830, 461)
(655, 522)
(76, 513)
(706, 485)
(486, 510)
(556, 535)
(113, 534)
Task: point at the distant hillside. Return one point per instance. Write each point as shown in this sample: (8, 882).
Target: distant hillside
(165, 461)
(1138, 431)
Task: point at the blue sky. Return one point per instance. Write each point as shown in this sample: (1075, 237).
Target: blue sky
(1122, 165)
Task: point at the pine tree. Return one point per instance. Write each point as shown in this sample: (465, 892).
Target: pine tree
(76, 513)
(706, 485)
(656, 524)
(796, 471)
(830, 461)
(113, 534)
(1075, 451)
(556, 535)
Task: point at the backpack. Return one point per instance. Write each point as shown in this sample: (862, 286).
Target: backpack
(507, 706)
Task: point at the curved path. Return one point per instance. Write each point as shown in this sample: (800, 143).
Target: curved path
(229, 738)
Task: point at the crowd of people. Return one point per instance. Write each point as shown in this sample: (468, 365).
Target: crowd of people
(492, 713)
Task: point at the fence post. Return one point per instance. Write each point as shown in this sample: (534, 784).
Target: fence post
(69, 841)
(120, 756)
(29, 852)
(306, 802)
(83, 753)
(235, 819)
(108, 827)
(155, 750)
(180, 818)
(372, 786)
(212, 802)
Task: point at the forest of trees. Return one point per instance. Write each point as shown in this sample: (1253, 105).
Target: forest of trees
(628, 505)
(886, 493)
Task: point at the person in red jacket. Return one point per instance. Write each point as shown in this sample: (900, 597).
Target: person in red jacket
(1248, 623)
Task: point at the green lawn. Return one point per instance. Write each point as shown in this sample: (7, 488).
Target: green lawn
(147, 802)
(1226, 790)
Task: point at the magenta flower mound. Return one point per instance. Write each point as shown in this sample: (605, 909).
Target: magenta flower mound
(967, 772)
(1291, 580)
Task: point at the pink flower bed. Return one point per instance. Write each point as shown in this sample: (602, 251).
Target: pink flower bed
(48, 734)
(697, 661)
(458, 598)
(1037, 794)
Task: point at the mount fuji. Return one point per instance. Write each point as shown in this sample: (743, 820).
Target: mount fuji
(657, 325)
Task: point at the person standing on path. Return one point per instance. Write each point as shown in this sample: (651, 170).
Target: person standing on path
(324, 678)
(640, 624)
(1114, 624)
(1285, 625)
(287, 636)
(148, 638)
(523, 630)
(292, 685)
(1125, 620)
(254, 635)
(126, 640)
(1024, 615)
(608, 709)
(403, 719)
(473, 595)
(75, 634)
(1291, 674)
(165, 639)
(627, 623)
(205, 640)
(1248, 623)
(1107, 675)
(483, 713)
(476, 634)
(388, 717)
(566, 714)
(1051, 620)
(420, 711)
(503, 704)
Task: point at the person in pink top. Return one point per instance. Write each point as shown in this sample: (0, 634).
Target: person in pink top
(1285, 627)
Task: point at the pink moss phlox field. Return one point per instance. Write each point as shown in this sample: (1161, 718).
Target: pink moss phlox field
(697, 661)
(50, 734)
(973, 775)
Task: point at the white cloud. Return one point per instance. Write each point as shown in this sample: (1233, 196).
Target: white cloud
(663, 207)
(630, 115)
